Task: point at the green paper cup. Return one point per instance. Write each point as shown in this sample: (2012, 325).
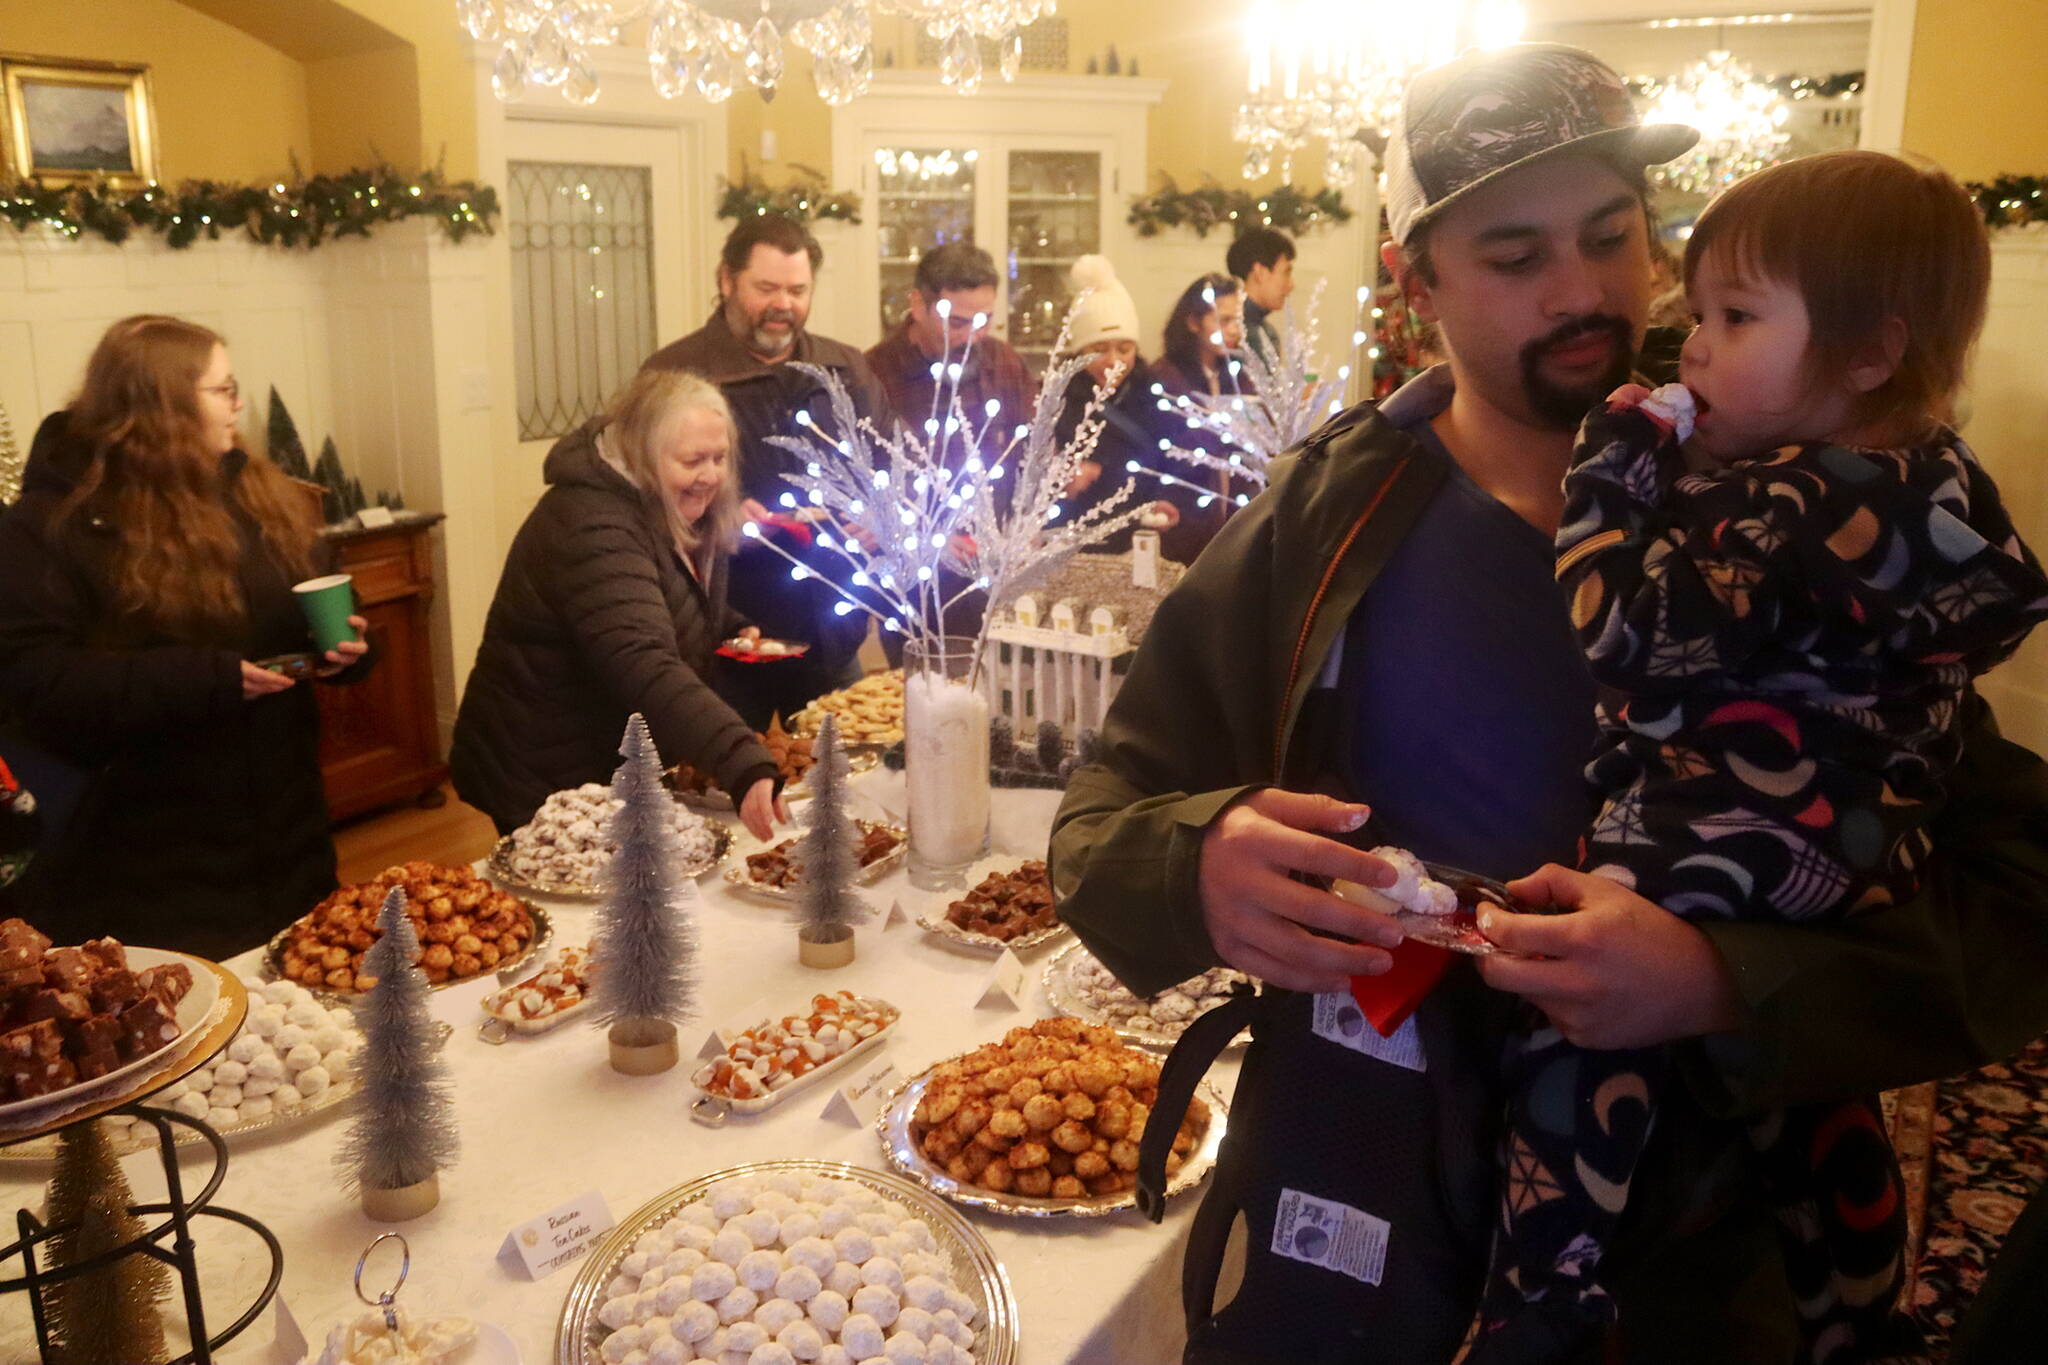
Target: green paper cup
(327, 603)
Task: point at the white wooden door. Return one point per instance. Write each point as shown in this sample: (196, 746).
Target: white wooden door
(609, 263)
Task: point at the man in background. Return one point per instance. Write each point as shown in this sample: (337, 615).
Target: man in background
(964, 279)
(1263, 259)
(766, 272)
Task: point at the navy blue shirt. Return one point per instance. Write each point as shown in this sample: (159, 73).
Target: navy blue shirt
(1468, 709)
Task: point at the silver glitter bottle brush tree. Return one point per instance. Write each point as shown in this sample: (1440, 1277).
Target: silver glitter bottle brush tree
(645, 945)
(829, 856)
(404, 1132)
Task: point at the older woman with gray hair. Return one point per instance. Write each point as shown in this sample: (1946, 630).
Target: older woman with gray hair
(612, 601)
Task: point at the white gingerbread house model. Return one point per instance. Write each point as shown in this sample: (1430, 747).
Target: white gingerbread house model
(1059, 650)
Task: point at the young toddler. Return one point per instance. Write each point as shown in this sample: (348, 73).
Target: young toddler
(1785, 574)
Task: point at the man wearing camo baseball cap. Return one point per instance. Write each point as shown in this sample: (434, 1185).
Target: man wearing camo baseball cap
(1382, 626)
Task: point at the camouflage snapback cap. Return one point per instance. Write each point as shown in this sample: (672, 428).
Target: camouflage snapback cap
(1490, 111)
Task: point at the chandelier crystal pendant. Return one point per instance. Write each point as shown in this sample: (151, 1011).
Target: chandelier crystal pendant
(710, 46)
(1333, 72)
(1741, 122)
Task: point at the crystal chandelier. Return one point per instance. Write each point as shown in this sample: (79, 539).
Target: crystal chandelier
(1333, 71)
(1741, 123)
(711, 46)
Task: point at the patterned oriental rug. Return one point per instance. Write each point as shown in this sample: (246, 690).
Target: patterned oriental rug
(1974, 1150)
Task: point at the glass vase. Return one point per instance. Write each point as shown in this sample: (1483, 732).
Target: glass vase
(945, 761)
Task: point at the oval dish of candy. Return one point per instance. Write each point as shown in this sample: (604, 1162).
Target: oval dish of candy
(1044, 1124)
(770, 1060)
(553, 995)
(1010, 907)
(773, 871)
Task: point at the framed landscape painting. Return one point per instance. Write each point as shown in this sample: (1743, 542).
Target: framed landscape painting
(75, 120)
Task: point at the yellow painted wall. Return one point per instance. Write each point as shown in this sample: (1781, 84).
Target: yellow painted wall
(228, 106)
(1977, 100)
(440, 85)
(364, 108)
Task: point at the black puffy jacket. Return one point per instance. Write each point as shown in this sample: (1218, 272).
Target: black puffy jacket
(204, 825)
(595, 617)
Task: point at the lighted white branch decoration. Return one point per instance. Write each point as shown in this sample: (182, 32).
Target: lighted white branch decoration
(898, 511)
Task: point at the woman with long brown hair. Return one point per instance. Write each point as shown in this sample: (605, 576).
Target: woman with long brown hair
(147, 566)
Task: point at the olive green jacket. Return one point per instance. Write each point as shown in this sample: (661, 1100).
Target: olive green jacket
(1218, 703)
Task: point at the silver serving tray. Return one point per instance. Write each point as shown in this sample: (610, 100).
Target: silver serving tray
(1065, 995)
(499, 867)
(143, 1138)
(713, 1110)
(941, 927)
(736, 875)
(975, 1269)
(543, 931)
(899, 1144)
(720, 802)
(935, 923)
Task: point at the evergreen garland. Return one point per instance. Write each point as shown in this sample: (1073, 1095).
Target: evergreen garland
(305, 213)
(1211, 206)
(803, 198)
(2011, 200)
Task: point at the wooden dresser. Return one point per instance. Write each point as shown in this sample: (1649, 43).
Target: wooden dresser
(379, 739)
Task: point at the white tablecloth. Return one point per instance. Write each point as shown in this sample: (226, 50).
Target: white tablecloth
(544, 1119)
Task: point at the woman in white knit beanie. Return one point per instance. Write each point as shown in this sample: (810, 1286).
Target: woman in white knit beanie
(1103, 325)
(1104, 321)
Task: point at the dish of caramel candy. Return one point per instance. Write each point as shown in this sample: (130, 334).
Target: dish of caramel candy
(466, 927)
(1055, 1110)
(792, 755)
(74, 1014)
(776, 869)
(1007, 905)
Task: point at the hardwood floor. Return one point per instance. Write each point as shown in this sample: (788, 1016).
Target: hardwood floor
(451, 833)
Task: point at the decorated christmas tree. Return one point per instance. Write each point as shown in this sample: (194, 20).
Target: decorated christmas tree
(829, 854)
(404, 1132)
(287, 451)
(645, 943)
(107, 1316)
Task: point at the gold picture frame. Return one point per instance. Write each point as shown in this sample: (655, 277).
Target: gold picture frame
(72, 121)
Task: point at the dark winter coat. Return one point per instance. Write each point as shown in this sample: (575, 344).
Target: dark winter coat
(204, 827)
(1132, 427)
(765, 399)
(596, 617)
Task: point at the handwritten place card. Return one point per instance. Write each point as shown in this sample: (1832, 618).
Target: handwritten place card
(287, 1337)
(858, 1100)
(896, 918)
(374, 516)
(549, 1242)
(1005, 988)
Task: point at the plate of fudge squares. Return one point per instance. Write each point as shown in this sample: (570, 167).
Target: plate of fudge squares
(78, 1022)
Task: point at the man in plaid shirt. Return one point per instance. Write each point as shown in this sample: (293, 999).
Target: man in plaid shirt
(965, 278)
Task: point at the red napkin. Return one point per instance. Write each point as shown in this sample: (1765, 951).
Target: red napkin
(795, 530)
(1389, 999)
